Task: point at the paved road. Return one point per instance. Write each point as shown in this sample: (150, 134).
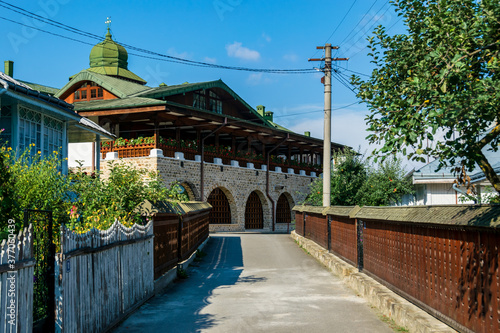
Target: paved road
(256, 283)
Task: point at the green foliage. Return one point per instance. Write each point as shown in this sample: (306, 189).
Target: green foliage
(84, 201)
(98, 201)
(34, 183)
(439, 79)
(385, 184)
(355, 182)
(7, 203)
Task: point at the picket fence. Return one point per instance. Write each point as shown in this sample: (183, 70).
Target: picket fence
(102, 275)
(17, 281)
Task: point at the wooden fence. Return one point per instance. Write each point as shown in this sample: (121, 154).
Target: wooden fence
(178, 234)
(102, 275)
(16, 282)
(445, 259)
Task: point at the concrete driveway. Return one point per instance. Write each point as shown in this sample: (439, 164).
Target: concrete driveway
(256, 283)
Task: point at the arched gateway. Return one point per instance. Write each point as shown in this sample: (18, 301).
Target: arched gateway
(283, 211)
(254, 216)
(221, 212)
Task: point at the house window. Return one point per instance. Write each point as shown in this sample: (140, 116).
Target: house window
(89, 90)
(6, 124)
(215, 104)
(46, 133)
(199, 99)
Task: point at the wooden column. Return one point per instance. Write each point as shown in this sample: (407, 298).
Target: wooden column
(301, 155)
(178, 136)
(233, 145)
(217, 141)
(249, 143)
(289, 154)
(198, 139)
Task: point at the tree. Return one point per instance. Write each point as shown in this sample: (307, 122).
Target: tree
(439, 79)
(385, 184)
(347, 177)
(355, 182)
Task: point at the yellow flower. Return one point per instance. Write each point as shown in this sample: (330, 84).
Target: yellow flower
(39, 152)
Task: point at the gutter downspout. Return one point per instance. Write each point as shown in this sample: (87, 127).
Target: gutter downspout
(273, 220)
(202, 174)
(455, 187)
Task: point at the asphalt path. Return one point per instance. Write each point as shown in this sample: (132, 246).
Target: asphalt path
(256, 283)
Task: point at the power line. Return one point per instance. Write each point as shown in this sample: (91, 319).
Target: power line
(349, 70)
(163, 56)
(373, 4)
(336, 28)
(371, 27)
(341, 21)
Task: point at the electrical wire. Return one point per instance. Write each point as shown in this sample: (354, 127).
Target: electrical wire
(336, 28)
(131, 47)
(354, 29)
(369, 29)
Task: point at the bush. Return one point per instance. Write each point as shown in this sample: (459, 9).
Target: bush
(355, 182)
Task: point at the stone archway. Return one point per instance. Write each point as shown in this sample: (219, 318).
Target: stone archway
(254, 214)
(283, 209)
(190, 189)
(221, 209)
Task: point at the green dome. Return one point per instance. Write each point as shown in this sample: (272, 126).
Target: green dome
(108, 53)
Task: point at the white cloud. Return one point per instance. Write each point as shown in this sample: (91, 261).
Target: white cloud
(236, 50)
(292, 57)
(210, 60)
(348, 128)
(266, 37)
(183, 55)
(258, 78)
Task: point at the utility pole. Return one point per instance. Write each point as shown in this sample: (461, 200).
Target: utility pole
(327, 139)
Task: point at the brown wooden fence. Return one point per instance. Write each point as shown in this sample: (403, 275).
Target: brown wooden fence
(178, 234)
(445, 259)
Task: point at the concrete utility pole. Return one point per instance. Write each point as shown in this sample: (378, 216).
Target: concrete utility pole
(327, 140)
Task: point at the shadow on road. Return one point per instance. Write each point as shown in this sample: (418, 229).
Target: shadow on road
(180, 309)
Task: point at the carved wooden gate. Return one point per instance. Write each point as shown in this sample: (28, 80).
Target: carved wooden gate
(283, 213)
(254, 217)
(221, 212)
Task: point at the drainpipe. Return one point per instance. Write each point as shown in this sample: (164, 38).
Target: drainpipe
(273, 220)
(455, 187)
(202, 174)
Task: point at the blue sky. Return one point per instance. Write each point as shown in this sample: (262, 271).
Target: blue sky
(257, 34)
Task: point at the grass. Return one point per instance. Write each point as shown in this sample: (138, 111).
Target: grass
(395, 327)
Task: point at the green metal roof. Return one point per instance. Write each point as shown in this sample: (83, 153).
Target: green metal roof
(459, 215)
(180, 208)
(120, 103)
(164, 91)
(41, 88)
(120, 88)
(451, 215)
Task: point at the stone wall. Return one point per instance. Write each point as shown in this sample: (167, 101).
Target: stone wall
(236, 182)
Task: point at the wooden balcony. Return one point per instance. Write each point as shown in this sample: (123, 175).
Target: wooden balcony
(143, 150)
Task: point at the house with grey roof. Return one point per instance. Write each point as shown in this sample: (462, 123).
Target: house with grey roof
(437, 187)
(34, 120)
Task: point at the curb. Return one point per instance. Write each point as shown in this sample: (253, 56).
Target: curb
(386, 301)
(168, 278)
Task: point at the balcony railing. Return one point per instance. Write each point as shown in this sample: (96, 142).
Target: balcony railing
(141, 147)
